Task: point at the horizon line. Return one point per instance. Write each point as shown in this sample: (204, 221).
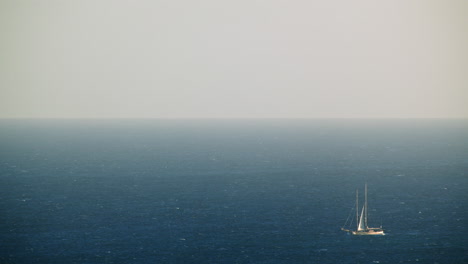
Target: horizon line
(229, 118)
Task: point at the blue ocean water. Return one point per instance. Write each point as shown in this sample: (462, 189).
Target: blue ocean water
(231, 191)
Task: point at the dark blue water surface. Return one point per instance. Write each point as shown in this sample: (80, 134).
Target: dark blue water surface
(231, 191)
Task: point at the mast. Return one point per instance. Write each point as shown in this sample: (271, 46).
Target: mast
(357, 209)
(365, 206)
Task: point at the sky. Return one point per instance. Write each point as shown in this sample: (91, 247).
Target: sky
(234, 59)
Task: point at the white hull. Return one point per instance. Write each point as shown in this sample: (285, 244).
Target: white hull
(369, 233)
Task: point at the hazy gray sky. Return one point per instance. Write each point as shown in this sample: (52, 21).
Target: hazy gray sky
(234, 59)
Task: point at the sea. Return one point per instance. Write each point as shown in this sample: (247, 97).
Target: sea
(232, 191)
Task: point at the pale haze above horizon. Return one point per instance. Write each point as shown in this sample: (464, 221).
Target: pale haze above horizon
(234, 59)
